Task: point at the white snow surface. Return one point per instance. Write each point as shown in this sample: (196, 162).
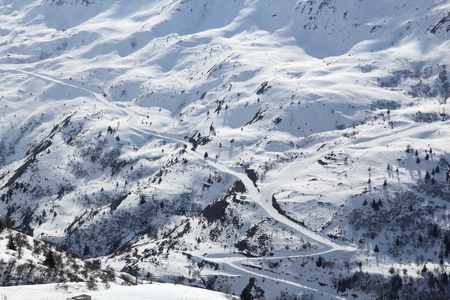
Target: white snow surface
(160, 291)
(316, 97)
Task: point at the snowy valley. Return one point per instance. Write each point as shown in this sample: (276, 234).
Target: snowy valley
(292, 149)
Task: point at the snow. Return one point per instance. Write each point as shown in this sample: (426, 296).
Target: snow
(160, 72)
(148, 291)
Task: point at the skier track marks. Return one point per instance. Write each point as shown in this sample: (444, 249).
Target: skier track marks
(98, 96)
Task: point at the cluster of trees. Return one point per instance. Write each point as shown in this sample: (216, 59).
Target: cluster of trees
(37, 262)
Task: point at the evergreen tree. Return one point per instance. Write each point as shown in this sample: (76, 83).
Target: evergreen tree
(437, 170)
(435, 231)
(245, 294)
(418, 160)
(8, 222)
(11, 244)
(424, 269)
(376, 249)
(50, 260)
(365, 202)
(86, 251)
(427, 176)
(374, 205)
(319, 262)
(444, 278)
(416, 153)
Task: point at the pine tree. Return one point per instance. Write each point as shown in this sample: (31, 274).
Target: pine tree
(376, 249)
(444, 278)
(86, 251)
(435, 231)
(424, 269)
(11, 244)
(50, 260)
(245, 294)
(319, 262)
(427, 176)
(418, 160)
(374, 205)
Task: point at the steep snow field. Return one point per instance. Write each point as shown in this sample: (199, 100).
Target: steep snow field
(226, 144)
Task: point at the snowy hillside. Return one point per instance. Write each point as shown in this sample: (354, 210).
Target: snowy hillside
(149, 291)
(290, 147)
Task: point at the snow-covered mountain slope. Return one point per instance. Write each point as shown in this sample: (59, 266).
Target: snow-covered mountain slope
(227, 144)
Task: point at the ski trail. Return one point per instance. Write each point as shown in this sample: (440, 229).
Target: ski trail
(98, 96)
(48, 78)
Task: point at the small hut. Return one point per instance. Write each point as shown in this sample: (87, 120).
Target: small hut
(82, 297)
